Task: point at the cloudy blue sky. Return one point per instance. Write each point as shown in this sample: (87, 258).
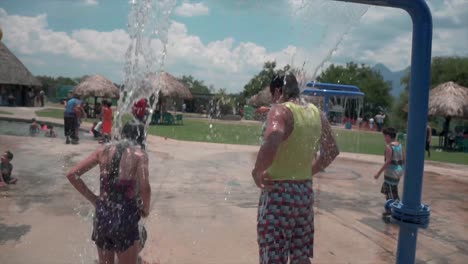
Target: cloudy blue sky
(223, 42)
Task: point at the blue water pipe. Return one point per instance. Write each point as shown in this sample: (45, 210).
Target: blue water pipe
(409, 212)
(331, 89)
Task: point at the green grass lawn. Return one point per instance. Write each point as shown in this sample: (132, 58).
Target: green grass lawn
(215, 132)
(249, 134)
(50, 112)
(5, 112)
(56, 113)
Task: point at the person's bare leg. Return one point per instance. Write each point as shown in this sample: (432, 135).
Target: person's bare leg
(13, 181)
(105, 256)
(129, 256)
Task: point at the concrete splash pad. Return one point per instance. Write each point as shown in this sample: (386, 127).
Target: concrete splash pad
(204, 207)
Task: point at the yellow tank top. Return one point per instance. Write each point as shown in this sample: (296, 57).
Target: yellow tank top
(295, 155)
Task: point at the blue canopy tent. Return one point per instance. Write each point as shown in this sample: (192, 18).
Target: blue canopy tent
(328, 90)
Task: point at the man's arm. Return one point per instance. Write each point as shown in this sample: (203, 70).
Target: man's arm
(143, 179)
(81, 168)
(274, 135)
(79, 111)
(329, 148)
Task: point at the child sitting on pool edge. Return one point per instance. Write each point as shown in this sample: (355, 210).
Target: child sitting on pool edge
(6, 168)
(50, 132)
(34, 128)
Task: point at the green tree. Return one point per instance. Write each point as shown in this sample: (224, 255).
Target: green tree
(260, 80)
(195, 86)
(376, 89)
(79, 79)
(222, 102)
(226, 104)
(399, 116)
(263, 78)
(202, 93)
(239, 99)
(443, 69)
(49, 82)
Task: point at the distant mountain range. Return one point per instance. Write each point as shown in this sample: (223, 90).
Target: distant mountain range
(393, 77)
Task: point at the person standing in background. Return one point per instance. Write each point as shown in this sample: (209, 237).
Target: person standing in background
(428, 140)
(41, 97)
(71, 115)
(371, 123)
(106, 121)
(139, 109)
(379, 120)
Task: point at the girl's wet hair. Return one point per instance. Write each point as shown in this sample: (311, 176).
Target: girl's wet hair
(134, 131)
(287, 84)
(389, 131)
(277, 82)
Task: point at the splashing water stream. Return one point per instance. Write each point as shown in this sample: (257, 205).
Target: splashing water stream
(148, 28)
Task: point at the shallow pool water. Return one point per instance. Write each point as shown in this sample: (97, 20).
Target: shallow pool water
(18, 128)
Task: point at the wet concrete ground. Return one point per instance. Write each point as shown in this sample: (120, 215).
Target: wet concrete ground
(204, 207)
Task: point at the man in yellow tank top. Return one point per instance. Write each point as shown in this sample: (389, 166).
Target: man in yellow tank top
(294, 132)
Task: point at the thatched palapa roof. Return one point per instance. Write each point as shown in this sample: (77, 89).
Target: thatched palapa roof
(96, 86)
(12, 71)
(262, 98)
(449, 100)
(169, 85)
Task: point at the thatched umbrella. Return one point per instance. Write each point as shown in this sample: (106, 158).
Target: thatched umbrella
(169, 86)
(12, 71)
(448, 100)
(96, 86)
(262, 98)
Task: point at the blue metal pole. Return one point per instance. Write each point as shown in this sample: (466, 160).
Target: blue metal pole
(417, 122)
(410, 212)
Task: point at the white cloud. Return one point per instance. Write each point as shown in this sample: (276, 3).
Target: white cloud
(190, 10)
(31, 35)
(221, 62)
(90, 2)
(32, 61)
(236, 62)
(454, 11)
(384, 35)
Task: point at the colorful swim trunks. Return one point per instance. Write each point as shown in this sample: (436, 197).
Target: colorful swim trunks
(116, 225)
(285, 223)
